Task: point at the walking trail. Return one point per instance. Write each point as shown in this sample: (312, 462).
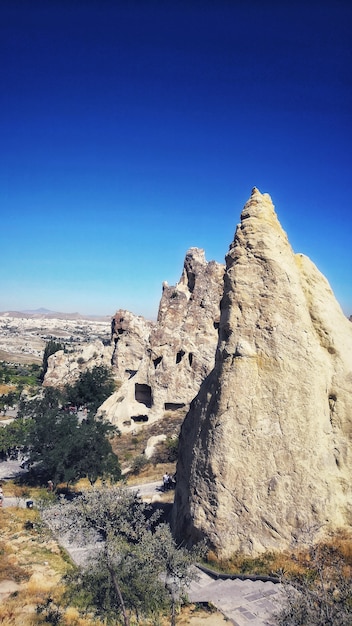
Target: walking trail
(243, 602)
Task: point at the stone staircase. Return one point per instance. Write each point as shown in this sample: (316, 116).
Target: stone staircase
(244, 602)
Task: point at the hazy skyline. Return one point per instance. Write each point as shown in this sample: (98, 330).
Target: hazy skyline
(131, 131)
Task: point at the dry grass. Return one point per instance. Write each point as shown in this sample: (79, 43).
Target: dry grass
(129, 445)
(151, 473)
(291, 563)
(6, 388)
(31, 558)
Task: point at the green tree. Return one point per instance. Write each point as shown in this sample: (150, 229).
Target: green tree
(63, 448)
(7, 400)
(92, 388)
(50, 348)
(176, 564)
(96, 458)
(13, 438)
(125, 576)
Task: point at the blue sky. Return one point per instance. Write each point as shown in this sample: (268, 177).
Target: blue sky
(130, 131)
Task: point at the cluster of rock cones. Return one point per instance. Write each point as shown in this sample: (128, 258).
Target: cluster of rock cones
(260, 353)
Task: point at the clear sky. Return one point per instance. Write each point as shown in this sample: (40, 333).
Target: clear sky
(131, 131)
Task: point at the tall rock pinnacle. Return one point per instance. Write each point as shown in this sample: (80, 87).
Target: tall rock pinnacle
(266, 448)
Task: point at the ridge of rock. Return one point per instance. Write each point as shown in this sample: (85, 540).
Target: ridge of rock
(162, 365)
(158, 365)
(265, 450)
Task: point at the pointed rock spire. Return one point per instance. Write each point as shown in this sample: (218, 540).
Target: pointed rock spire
(265, 450)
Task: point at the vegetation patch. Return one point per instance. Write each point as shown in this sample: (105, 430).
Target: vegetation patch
(129, 445)
(292, 564)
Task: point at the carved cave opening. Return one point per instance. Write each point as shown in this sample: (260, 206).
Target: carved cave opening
(173, 406)
(190, 359)
(131, 373)
(179, 356)
(143, 394)
(191, 281)
(138, 419)
(157, 361)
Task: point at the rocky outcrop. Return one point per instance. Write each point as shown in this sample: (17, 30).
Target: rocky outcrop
(65, 367)
(265, 451)
(158, 366)
(130, 338)
(162, 365)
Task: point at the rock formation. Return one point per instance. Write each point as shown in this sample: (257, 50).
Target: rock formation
(162, 365)
(159, 366)
(65, 367)
(265, 450)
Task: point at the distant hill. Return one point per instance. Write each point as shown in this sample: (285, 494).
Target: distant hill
(47, 314)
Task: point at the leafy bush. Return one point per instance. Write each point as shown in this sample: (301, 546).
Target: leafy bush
(166, 451)
(50, 611)
(139, 462)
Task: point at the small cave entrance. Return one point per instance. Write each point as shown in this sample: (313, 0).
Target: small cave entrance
(131, 373)
(157, 361)
(190, 359)
(179, 356)
(143, 394)
(173, 406)
(139, 419)
(191, 281)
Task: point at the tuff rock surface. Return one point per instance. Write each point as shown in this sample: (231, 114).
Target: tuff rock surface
(65, 367)
(265, 450)
(158, 366)
(162, 365)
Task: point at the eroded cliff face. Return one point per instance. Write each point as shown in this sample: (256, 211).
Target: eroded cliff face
(158, 366)
(162, 365)
(64, 368)
(265, 450)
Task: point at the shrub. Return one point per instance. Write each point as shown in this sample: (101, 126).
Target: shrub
(166, 451)
(323, 595)
(139, 462)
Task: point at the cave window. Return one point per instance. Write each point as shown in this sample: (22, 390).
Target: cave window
(173, 406)
(190, 359)
(143, 394)
(179, 356)
(131, 373)
(191, 281)
(157, 361)
(139, 418)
